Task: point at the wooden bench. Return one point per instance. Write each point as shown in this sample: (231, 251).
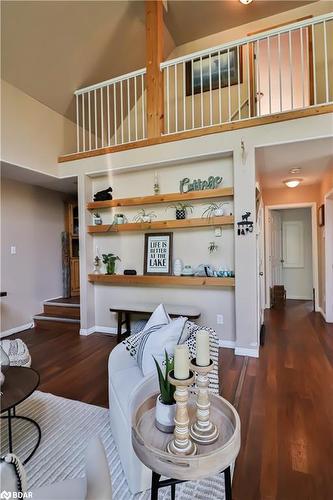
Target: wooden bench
(124, 314)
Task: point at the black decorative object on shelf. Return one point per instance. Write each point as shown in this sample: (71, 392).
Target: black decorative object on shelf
(103, 195)
(130, 272)
(245, 225)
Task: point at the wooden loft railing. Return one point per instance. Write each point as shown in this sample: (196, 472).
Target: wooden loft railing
(277, 75)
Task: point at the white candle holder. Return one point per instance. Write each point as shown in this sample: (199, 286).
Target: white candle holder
(203, 431)
(181, 443)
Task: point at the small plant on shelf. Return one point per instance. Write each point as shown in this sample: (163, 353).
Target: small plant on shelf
(109, 259)
(182, 210)
(143, 216)
(97, 219)
(214, 210)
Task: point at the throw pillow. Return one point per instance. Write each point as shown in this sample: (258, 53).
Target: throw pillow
(152, 344)
(157, 320)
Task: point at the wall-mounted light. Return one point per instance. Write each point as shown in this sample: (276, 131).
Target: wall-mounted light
(246, 2)
(292, 183)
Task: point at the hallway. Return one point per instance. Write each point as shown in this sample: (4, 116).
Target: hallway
(286, 409)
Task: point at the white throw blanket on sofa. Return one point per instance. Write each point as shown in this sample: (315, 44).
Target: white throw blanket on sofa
(17, 352)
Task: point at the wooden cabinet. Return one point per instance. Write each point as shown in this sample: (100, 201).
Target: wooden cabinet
(72, 228)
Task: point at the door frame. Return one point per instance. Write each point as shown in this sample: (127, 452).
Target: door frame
(313, 206)
(328, 265)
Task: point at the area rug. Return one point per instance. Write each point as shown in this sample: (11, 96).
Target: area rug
(66, 428)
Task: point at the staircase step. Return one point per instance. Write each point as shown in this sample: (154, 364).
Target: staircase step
(47, 321)
(62, 310)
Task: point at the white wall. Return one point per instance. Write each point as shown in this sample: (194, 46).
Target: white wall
(32, 219)
(190, 245)
(244, 200)
(299, 281)
(33, 135)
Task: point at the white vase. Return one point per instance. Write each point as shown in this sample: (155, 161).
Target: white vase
(218, 212)
(177, 267)
(165, 416)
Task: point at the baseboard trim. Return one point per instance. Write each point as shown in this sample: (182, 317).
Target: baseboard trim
(87, 331)
(252, 352)
(322, 312)
(17, 329)
(111, 330)
(229, 344)
(108, 329)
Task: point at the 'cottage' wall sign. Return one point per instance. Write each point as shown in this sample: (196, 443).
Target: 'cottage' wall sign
(187, 185)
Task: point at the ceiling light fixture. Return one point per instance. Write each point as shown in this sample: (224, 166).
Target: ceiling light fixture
(292, 183)
(246, 2)
(295, 170)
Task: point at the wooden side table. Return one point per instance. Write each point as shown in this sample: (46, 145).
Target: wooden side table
(150, 446)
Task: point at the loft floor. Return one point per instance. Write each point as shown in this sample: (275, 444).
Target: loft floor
(285, 402)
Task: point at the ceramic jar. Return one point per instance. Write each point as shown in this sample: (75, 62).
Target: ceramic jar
(177, 267)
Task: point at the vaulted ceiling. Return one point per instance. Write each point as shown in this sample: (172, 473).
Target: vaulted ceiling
(51, 48)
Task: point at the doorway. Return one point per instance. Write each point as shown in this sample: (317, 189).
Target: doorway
(291, 251)
(328, 251)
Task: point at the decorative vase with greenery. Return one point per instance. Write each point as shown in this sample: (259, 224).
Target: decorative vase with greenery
(109, 260)
(214, 210)
(165, 403)
(97, 219)
(143, 216)
(182, 209)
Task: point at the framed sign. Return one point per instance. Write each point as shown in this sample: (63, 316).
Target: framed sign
(158, 254)
(223, 68)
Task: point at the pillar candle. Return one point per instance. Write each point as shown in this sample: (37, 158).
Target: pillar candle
(182, 362)
(202, 348)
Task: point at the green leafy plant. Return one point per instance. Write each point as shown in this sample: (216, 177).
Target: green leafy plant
(110, 260)
(212, 208)
(142, 215)
(188, 207)
(167, 390)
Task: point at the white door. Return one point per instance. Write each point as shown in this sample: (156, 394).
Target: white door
(260, 267)
(282, 72)
(275, 257)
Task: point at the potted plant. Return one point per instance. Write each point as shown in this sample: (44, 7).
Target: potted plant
(165, 403)
(109, 260)
(143, 216)
(97, 219)
(182, 209)
(214, 210)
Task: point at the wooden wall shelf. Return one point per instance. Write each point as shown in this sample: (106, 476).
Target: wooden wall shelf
(162, 198)
(120, 279)
(163, 224)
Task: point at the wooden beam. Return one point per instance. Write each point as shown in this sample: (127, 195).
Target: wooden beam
(215, 129)
(154, 77)
(119, 279)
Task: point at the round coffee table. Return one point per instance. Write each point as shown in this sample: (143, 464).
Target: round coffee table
(19, 384)
(150, 445)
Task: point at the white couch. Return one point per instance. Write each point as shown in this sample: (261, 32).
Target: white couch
(126, 385)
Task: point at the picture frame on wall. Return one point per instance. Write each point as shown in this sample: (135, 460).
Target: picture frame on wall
(158, 254)
(221, 64)
(321, 215)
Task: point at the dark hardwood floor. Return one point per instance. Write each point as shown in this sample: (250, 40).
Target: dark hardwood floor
(285, 405)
